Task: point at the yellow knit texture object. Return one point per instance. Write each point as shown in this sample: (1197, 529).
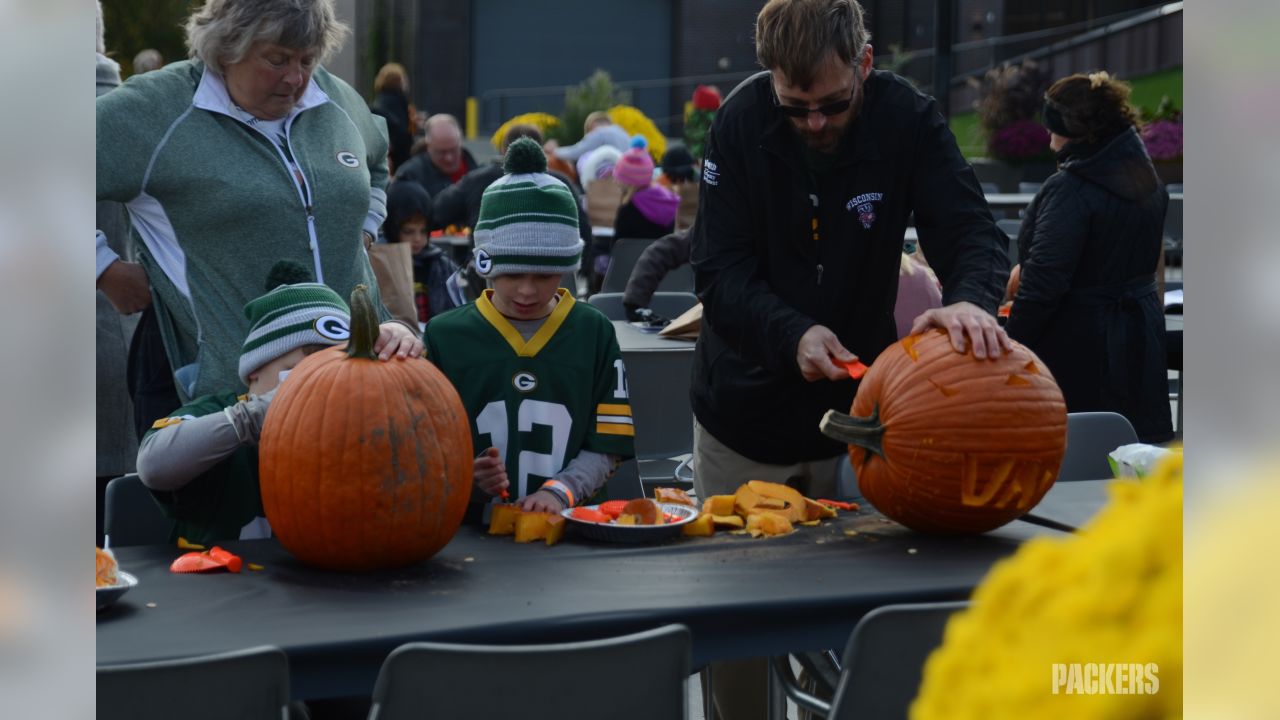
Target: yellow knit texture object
(542, 121)
(1111, 594)
(637, 123)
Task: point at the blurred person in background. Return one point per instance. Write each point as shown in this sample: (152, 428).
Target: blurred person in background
(598, 131)
(1087, 301)
(648, 209)
(391, 102)
(147, 60)
(247, 154)
(443, 162)
(459, 204)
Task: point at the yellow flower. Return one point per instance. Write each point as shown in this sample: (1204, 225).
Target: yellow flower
(542, 121)
(637, 123)
(1109, 594)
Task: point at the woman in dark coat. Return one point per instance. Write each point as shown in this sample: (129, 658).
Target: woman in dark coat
(391, 88)
(1087, 303)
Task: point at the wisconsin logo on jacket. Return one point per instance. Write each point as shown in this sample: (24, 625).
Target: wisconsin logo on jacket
(865, 205)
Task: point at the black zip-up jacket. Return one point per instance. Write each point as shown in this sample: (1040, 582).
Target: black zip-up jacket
(764, 280)
(1088, 304)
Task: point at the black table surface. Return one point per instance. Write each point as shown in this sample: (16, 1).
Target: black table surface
(740, 596)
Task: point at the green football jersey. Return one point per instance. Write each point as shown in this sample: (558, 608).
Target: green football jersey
(218, 503)
(543, 401)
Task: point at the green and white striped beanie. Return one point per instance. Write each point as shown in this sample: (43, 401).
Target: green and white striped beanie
(528, 219)
(291, 316)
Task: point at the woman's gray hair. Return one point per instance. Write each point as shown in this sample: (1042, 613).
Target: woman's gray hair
(221, 32)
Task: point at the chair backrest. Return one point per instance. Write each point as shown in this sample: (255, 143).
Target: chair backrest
(245, 684)
(1029, 187)
(884, 659)
(667, 304)
(1173, 221)
(1010, 228)
(989, 188)
(603, 198)
(639, 676)
(625, 483)
(1090, 437)
(131, 515)
(622, 260)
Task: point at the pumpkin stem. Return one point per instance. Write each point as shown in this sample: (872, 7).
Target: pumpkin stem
(865, 433)
(364, 325)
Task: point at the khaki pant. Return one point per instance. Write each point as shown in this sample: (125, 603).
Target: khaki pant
(740, 687)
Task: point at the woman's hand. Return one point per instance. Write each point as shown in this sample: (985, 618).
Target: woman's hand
(489, 474)
(396, 339)
(541, 501)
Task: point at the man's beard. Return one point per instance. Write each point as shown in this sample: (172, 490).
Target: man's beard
(825, 140)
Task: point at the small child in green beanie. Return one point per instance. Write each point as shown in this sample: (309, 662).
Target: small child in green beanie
(540, 374)
(201, 462)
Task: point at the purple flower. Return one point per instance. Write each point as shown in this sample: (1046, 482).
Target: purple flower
(1163, 139)
(1020, 140)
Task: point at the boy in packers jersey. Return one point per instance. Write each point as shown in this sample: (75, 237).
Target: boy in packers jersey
(201, 462)
(540, 374)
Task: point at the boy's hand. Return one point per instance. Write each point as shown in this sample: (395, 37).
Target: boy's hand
(396, 339)
(489, 474)
(541, 501)
(247, 415)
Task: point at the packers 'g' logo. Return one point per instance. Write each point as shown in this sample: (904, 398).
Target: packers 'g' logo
(524, 382)
(349, 159)
(484, 263)
(332, 327)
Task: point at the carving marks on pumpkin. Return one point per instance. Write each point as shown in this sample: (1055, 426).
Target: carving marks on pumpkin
(1017, 380)
(908, 346)
(1031, 367)
(946, 390)
(1011, 481)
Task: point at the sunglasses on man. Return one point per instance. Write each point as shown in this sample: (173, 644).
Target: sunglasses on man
(831, 108)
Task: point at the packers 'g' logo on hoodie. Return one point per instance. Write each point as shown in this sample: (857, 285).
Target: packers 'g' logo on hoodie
(349, 159)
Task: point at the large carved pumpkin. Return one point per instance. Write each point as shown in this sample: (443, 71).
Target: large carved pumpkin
(944, 442)
(365, 464)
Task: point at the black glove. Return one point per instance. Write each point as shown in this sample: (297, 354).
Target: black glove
(645, 315)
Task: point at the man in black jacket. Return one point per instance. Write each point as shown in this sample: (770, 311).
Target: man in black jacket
(459, 204)
(444, 161)
(811, 171)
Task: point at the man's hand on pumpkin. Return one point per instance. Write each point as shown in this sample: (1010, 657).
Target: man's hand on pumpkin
(964, 319)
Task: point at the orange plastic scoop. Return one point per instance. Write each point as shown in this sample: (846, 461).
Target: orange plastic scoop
(856, 368)
(211, 559)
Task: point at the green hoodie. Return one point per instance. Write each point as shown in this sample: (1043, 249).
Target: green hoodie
(215, 205)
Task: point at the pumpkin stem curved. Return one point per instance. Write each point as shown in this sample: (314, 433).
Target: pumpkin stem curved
(364, 325)
(866, 433)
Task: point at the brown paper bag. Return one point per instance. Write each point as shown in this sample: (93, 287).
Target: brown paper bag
(687, 326)
(393, 266)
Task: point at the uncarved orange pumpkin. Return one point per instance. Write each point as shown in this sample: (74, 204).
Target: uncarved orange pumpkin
(943, 442)
(364, 464)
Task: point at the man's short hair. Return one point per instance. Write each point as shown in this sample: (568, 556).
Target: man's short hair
(520, 130)
(442, 119)
(796, 36)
